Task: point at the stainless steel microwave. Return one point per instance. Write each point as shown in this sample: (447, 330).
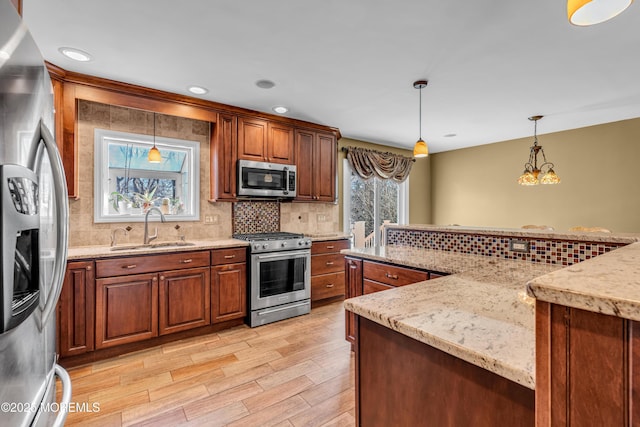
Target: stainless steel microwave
(266, 179)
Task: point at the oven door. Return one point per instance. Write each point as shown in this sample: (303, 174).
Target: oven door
(279, 278)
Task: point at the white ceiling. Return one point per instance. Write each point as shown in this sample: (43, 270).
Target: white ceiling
(352, 63)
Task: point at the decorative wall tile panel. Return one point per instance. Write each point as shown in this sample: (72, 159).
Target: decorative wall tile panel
(256, 217)
(561, 252)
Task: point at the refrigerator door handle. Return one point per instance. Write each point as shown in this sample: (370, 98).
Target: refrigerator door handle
(62, 217)
(66, 396)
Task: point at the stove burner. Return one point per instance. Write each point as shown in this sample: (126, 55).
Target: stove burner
(258, 237)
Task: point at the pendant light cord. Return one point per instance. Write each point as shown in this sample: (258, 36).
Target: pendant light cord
(420, 113)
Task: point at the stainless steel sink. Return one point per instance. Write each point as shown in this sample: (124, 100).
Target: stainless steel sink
(175, 244)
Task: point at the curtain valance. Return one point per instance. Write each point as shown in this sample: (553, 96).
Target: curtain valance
(368, 163)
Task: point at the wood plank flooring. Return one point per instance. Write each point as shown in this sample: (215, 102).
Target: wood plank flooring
(297, 372)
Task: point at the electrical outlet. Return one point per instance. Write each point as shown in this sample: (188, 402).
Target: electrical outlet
(216, 219)
(519, 246)
(208, 219)
(322, 218)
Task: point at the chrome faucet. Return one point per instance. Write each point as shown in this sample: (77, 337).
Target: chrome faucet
(148, 238)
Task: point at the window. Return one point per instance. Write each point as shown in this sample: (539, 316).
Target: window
(369, 203)
(127, 184)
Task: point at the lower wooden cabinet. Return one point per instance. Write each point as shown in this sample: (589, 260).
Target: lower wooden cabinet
(184, 300)
(229, 295)
(76, 310)
(122, 300)
(126, 309)
(327, 269)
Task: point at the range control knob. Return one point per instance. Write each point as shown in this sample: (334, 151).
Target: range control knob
(265, 246)
(283, 244)
(300, 242)
(308, 243)
(256, 246)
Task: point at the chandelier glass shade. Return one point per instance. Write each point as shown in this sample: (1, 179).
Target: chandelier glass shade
(591, 12)
(534, 174)
(420, 148)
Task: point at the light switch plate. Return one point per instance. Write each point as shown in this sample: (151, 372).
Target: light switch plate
(522, 246)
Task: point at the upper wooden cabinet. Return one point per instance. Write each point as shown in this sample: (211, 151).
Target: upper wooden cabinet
(316, 157)
(224, 153)
(264, 141)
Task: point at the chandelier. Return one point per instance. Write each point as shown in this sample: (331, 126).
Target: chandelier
(531, 169)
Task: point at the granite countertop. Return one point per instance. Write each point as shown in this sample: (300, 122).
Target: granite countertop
(480, 313)
(608, 284)
(321, 237)
(86, 252)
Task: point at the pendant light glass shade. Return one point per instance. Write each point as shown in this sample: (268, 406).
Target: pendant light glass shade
(590, 12)
(420, 149)
(154, 155)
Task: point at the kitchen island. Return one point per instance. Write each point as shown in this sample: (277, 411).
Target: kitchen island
(467, 342)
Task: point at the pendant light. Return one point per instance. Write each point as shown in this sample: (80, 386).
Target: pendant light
(590, 12)
(154, 154)
(420, 149)
(531, 169)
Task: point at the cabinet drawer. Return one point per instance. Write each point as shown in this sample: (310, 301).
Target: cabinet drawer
(328, 263)
(228, 256)
(151, 263)
(329, 246)
(327, 286)
(369, 287)
(392, 275)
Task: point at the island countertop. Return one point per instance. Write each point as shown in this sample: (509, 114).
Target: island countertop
(480, 313)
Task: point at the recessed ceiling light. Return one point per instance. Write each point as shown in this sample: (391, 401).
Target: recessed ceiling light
(75, 54)
(197, 90)
(265, 84)
(4, 55)
(280, 109)
(450, 135)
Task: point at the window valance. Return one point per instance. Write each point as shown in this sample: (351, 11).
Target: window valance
(368, 163)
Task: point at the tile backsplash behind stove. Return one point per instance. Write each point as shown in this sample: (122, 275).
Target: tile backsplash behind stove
(256, 217)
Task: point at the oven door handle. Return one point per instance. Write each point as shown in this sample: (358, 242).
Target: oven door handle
(285, 255)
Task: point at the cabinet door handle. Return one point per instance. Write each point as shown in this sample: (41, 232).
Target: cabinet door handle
(229, 256)
(329, 262)
(130, 266)
(330, 247)
(154, 279)
(330, 285)
(161, 277)
(186, 261)
(88, 268)
(391, 276)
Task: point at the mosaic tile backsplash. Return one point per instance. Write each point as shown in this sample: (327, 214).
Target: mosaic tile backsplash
(256, 217)
(560, 252)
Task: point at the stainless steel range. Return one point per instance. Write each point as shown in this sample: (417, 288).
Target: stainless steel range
(280, 270)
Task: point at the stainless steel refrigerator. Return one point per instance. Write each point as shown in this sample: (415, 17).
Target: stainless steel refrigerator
(33, 233)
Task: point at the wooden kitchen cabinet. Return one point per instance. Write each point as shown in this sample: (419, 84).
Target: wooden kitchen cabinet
(353, 281)
(126, 309)
(378, 276)
(76, 309)
(224, 155)
(327, 270)
(184, 300)
(228, 284)
(264, 141)
(128, 296)
(316, 157)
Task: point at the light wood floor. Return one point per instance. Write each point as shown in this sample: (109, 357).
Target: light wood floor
(297, 372)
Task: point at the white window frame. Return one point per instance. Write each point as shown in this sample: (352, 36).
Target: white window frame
(103, 185)
(403, 202)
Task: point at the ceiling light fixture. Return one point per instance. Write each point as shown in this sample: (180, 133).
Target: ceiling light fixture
(265, 84)
(420, 149)
(280, 109)
(154, 154)
(197, 90)
(531, 169)
(591, 12)
(75, 54)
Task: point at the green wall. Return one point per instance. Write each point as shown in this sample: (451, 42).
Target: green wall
(600, 184)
